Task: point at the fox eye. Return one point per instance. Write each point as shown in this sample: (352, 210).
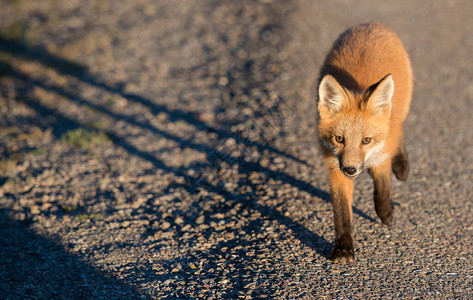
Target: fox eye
(366, 140)
(339, 139)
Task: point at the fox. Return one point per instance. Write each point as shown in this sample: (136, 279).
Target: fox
(364, 94)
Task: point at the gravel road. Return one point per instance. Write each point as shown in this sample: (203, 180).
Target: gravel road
(167, 149)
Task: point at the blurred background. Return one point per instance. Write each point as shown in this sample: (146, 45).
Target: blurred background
(168, 149)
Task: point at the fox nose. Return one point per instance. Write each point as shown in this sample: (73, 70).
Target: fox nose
(349, 170)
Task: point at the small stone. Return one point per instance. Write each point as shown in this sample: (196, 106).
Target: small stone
(204, 226)
(35, 210)
(144, 223)
(200, 219)
(223, 81)
(186, 227)
(219, 216)
(206, 117)
(46, 206)
(165, 225)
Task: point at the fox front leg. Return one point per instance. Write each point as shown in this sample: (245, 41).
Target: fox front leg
(342, 195)
(382, 192)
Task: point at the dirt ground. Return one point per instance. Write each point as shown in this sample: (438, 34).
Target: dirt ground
(167, 149)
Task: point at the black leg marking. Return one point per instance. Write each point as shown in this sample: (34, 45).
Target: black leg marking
(342, 251)
(382, 199)
(400, 163)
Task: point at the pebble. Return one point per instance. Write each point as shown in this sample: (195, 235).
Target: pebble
(165, 225)
(200, 219)
(223, 81)
(35, 210)
(219, 216)
(187, 227)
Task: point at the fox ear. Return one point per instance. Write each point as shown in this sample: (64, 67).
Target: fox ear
(331, 95)
(380, 95)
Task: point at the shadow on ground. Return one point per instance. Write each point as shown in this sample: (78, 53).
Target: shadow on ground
(61, 124)
(235, 263)
(34, 267)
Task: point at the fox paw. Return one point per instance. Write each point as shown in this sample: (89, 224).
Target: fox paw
(387, 220)
(384, 210)
(342, 256)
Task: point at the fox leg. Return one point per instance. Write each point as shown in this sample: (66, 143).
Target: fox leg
(400, 162)
(382, 192)
(342, 195)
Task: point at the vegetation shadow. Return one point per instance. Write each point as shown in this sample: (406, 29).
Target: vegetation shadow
(35, 267)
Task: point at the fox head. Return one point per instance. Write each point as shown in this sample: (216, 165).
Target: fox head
(353, 127)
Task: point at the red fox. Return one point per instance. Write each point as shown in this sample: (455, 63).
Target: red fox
(365, 91)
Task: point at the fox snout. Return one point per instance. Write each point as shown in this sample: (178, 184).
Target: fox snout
(351, 163)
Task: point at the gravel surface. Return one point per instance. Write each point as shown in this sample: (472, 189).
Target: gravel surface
(167, 149)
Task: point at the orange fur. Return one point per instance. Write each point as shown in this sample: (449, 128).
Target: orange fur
(365, 92)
